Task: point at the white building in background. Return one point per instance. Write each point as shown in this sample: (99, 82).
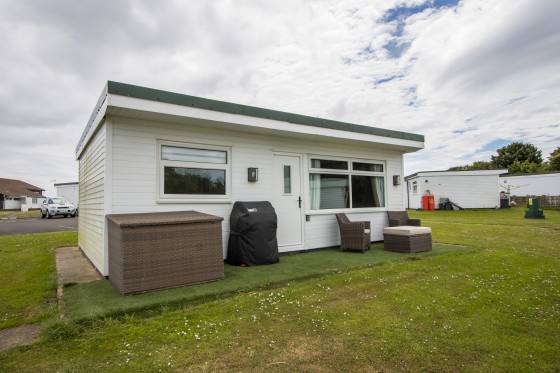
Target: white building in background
(70, 191)
(19, 195)
(468, 189)
(531, 184)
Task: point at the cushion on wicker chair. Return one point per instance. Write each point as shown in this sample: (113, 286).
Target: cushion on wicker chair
(406, 230)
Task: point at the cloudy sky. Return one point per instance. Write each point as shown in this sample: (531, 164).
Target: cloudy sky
(470, 75)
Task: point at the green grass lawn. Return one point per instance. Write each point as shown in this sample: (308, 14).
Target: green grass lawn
(28, 289)
(495, 307)
(20, 215)
(100, 299)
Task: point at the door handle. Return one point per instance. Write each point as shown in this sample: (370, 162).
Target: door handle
(299, 201)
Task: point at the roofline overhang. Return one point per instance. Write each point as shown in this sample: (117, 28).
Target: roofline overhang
(126, 96)
(21, 195)
(548, 173)
(455, 173)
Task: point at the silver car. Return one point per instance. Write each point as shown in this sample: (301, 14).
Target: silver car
(57, 206)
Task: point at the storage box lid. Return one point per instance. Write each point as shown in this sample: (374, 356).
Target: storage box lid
(161, 218)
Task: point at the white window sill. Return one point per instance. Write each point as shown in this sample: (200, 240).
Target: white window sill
(346, 211)
(193, 201)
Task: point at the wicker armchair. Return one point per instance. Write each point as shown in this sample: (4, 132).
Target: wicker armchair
(354, 235)
(398, 218)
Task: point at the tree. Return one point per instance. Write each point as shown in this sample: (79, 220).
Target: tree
(518, 158)
(459, 168)
(554, 160)
(478, 165)
(527, 168)
(517, 151)
(482, 165)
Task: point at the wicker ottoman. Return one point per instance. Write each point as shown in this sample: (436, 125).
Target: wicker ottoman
(154, 251)
(407, 239)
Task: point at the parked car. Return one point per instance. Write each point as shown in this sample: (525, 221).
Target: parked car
(57, 206)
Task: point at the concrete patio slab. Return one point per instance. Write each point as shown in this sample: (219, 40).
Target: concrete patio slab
(73, 267)
(18, 336)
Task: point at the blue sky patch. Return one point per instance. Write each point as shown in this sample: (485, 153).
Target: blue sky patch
(494, 145)
(395, 48)
(367, 52)
(401, 13)
(387, 79)
(490, 147)
(463, 130)
(412, 97)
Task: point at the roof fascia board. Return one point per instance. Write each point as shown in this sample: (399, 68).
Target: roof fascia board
(256, 122)
(91, 128)
(549, 173)
(94, 120)
(121, 89)
(456, 173)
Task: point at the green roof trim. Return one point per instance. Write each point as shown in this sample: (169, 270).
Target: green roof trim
(144, 93)
(129, 90)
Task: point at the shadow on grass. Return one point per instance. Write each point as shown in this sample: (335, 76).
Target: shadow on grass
(89, 301)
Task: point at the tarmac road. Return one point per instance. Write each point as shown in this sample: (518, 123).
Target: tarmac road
(25, 226)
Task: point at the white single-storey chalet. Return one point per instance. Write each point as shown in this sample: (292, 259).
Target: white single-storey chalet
(146, 150)
(468, 189)
(547, 184)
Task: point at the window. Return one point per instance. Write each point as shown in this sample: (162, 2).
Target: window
(369, 167)
(329, 164)
(367, 191)
(57, 201)
(287, 179)
(329, 191)
(34, 201)
(184, 180)
(414, 187)
(335, 185)
(194, 172)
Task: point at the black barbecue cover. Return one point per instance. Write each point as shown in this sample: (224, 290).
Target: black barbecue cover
(252, 239)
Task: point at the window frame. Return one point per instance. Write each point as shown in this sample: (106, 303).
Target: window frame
(192, 198)
(348, 173)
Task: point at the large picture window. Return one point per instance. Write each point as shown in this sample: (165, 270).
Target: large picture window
(194, 172)
(344, 184)
(183, 180)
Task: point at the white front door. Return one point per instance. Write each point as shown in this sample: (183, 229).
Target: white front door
(288, 201)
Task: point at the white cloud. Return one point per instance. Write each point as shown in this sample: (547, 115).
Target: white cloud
(464, 76)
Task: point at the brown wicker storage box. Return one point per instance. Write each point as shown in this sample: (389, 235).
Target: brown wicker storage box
(407, 239)
(152, 251)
